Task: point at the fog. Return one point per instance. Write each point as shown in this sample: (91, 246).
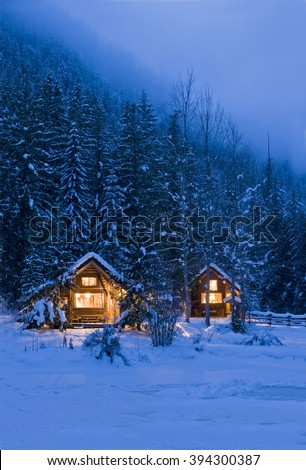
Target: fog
(251, 53)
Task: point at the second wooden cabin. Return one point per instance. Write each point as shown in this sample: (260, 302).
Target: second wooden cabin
(220, 295)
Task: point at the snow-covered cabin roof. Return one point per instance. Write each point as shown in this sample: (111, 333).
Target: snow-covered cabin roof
(91, 256)
(222, 274)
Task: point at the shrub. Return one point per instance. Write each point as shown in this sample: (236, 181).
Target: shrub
(162, 322)
(44, 312)
(106, 342)
(237, 321)
(262, 338)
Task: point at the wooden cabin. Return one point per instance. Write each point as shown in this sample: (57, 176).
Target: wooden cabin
(220, 295)
(96, 292)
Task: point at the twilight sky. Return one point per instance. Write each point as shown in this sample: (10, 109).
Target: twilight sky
(252, 53)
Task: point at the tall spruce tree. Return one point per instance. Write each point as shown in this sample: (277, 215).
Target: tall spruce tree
(73, 200)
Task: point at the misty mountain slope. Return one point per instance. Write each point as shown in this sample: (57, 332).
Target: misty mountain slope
(28, 58)
(109, 62)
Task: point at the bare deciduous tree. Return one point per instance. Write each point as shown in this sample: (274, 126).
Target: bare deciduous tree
(184, 102)
(184, 99)
(212, 130)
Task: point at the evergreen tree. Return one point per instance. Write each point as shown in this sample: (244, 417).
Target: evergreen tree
(73, 198)
(180, 186)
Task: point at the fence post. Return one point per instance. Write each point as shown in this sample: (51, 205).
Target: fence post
(270, 319)
(289, 321)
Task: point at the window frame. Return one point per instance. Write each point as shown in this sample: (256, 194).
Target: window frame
(89, 285)
(90, 294)
(213, 282)
(203, 297)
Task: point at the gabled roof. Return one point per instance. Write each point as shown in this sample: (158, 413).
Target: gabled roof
(222, 274)
(91, 256)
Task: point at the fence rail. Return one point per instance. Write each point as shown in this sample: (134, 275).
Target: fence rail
(271, 318)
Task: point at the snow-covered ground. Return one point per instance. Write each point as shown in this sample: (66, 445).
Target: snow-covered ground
(204, 392)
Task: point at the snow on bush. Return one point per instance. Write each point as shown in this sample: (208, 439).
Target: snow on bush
(223, 334)
(105, 342)
(262, 338)
(44, 312)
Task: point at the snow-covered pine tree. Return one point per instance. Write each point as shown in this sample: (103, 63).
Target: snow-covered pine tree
(233, 202)
(73, 200)
(180, 194)
(21, 179)
(98, 145)
(294, 298)
(278, 274)
(134, 161)
(33, 272)
(299, 259)
(149, 149)
(111, 240)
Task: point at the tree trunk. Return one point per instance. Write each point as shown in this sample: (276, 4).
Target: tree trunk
(233, 310)
(186, 287)
(207, 309)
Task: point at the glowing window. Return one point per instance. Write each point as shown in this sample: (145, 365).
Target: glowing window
(89, 300)
(89, 281)
(214, 298)
(213, 285)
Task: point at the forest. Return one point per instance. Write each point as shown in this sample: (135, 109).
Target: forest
(158, 190)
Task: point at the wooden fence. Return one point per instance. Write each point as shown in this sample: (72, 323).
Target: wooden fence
(271, 318)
